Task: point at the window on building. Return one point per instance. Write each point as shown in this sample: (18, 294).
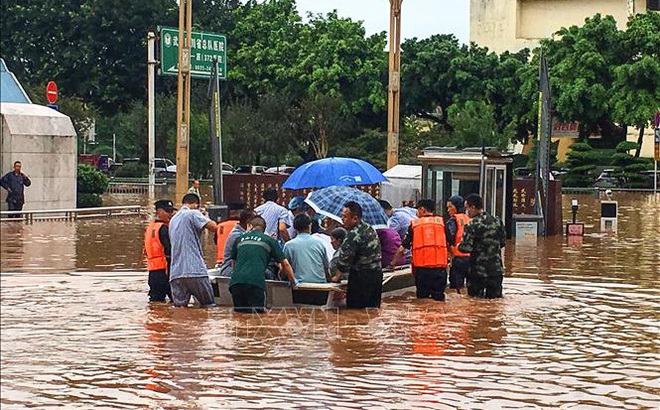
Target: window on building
(653, 5)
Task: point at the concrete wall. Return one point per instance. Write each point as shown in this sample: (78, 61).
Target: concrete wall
(45, 143)
(511, 25)
(647, 143)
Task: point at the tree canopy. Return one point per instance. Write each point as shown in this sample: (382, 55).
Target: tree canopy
(304, 87)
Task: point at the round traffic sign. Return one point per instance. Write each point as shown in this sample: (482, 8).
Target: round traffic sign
(51, 92)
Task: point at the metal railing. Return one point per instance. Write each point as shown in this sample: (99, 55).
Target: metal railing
(70, 214)
(597, 190)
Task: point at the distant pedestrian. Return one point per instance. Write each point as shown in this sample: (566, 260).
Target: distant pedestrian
(194, 189)
(460, 261)
(360, 257)
(188, 273)
(275, 215)
(15, 182)
(159, 251)
(251, 254)
(307, 254)
(483, 238)
(426, 238)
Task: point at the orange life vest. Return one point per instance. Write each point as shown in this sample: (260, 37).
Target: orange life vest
(429, 244)
(154, 249)
(461, 221)
(222, 232)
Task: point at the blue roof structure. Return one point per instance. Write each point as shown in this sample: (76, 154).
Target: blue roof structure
(10, 89)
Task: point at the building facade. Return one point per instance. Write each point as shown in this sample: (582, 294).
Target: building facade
(511, 25)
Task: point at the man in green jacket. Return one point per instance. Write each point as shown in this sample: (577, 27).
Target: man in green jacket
(251, 253)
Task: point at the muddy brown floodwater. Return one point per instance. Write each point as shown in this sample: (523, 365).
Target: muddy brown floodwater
(578, 328)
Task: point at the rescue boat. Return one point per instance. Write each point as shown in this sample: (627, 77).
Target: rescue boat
(330, 295)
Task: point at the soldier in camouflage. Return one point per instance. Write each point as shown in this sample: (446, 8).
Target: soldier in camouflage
(483, 238)
(360, 257)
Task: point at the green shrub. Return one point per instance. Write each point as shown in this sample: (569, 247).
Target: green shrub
(580, 162)
(132, 170)
(91, 180)
(91, 183)
(88, 200)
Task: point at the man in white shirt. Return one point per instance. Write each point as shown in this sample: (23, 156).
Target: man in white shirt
(276, 216)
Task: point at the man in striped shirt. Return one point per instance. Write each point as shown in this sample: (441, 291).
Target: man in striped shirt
(188, 274)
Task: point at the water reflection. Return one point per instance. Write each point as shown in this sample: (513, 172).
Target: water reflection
(578, 328)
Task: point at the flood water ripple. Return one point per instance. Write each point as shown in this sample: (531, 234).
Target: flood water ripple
(579, 328)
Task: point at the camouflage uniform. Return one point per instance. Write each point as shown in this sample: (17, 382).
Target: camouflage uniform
(483, 238)
(360, 257)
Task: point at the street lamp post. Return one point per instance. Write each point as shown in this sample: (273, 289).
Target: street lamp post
(394, 84)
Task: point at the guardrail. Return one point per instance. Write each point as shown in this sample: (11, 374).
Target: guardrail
(597, 190)
(131, 187)
(70, 214)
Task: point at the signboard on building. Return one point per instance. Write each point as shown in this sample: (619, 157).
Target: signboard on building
(565, 129)
(205, 47)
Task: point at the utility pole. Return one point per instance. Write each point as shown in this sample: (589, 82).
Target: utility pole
(394, 84)
(183, 98)
(151, 74)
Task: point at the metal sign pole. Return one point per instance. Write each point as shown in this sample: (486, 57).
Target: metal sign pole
(151, 73)
(218, 133)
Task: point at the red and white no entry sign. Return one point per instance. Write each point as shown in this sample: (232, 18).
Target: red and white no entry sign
(51, 92)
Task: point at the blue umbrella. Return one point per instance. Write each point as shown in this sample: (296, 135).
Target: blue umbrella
(330, 202)
(333, 171)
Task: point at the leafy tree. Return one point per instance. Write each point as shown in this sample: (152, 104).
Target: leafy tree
(263, 48)
(473, 124)
(371, 146)
(93, 49)
(337, 60)
(582, 62)
(580, 162)
(636, 86)
(425, 75)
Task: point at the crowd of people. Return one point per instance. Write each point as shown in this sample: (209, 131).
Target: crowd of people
(297, 245)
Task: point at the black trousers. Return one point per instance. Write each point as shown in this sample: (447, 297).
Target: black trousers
(159, 286)
(460, 266)
(15, 206)
(364, 289)
(430, 282)
(485, 287)
(248, 298)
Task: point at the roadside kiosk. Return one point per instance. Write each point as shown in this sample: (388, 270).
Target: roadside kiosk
(452, 171)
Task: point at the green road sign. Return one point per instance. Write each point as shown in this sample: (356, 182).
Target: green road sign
(205, 47)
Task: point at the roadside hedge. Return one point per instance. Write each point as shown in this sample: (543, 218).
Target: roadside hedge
(91, 184)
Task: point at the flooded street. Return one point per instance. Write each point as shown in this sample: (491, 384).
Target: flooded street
(579, 327)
